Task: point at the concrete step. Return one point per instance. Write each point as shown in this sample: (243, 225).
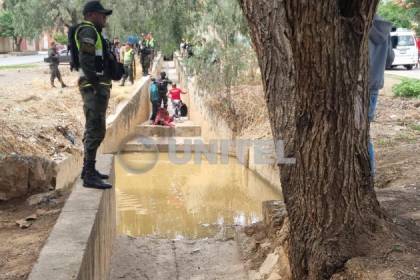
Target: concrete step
(185, 129)
(162, 144)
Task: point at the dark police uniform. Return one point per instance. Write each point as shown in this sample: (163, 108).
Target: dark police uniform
(95, 86)
(54, 62)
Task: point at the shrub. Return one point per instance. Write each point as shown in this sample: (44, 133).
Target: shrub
(407, 88)
(61, 38)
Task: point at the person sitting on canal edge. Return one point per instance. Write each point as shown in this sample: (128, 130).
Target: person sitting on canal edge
(54, 59)
(95, 86)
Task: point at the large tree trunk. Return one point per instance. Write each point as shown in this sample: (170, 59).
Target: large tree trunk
(314, 62)
(18, 43)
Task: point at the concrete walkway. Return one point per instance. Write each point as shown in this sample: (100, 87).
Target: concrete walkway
(20, 60)
(158, 259)
(404, 73)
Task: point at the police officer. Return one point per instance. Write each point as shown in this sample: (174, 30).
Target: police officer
(128, 61)
(145, 53)
(54, 59)
(95, 86)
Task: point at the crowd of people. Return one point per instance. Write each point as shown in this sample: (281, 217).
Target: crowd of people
(125, 53)
(159, 98)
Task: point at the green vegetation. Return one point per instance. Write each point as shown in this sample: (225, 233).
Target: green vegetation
(402, 13)
(18, 66)
(61, 38)
(395, 13)
(415, 126)
(21, 19)
(407, 88)
(222, 47)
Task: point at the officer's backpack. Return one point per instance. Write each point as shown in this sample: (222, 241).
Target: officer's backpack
(74, 51)
(116, 68)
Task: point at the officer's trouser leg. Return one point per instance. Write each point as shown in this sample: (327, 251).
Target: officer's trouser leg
(131, 74)
(53, 75)
(165, 101)
(155, 108)
(58, 74)
(146, 66)
(126, 74)
(95, 104)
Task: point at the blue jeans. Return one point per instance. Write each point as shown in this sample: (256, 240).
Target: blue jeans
(371, 115)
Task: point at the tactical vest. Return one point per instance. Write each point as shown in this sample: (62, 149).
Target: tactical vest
(127, 56)
(150, 43)
(99, 48)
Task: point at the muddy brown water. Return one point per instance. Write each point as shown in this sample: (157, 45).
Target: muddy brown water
(185, 201)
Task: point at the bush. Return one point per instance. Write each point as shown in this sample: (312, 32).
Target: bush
(407, 88)
(61, 38)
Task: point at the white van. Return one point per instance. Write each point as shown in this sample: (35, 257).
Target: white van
(406, 53)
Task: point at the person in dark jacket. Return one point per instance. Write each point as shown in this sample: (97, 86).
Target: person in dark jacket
(380, 53)
(162, 84)
(54, 59)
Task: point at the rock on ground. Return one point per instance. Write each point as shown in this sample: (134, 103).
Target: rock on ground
(24, 175)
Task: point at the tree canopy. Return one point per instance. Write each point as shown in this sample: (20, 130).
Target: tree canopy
(402, 13)
(20, 19)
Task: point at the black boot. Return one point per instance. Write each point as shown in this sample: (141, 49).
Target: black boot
(97, 173)
(91, 180)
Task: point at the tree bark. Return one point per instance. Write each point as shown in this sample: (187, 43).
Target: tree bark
(18, 43)
(313, 57)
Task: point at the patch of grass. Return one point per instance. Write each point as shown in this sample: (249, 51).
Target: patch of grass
(385, 142)
(18, 66)
(407, 88)
(415, 126)
(406, 138)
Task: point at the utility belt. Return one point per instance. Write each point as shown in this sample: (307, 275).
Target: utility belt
(103, 81)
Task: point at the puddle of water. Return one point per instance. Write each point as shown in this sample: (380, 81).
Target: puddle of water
(186, 201)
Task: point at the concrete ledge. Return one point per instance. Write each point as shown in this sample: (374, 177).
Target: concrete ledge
(68, 170)
(80, 244)
(184, 129)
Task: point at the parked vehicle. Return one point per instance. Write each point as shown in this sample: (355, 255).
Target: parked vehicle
(64, 56)
(406, 52)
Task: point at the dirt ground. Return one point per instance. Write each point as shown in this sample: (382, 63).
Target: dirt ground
(37, 120)
(20, 247)
(32, 113)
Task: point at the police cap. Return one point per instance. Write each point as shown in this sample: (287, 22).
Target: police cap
(95, 6)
